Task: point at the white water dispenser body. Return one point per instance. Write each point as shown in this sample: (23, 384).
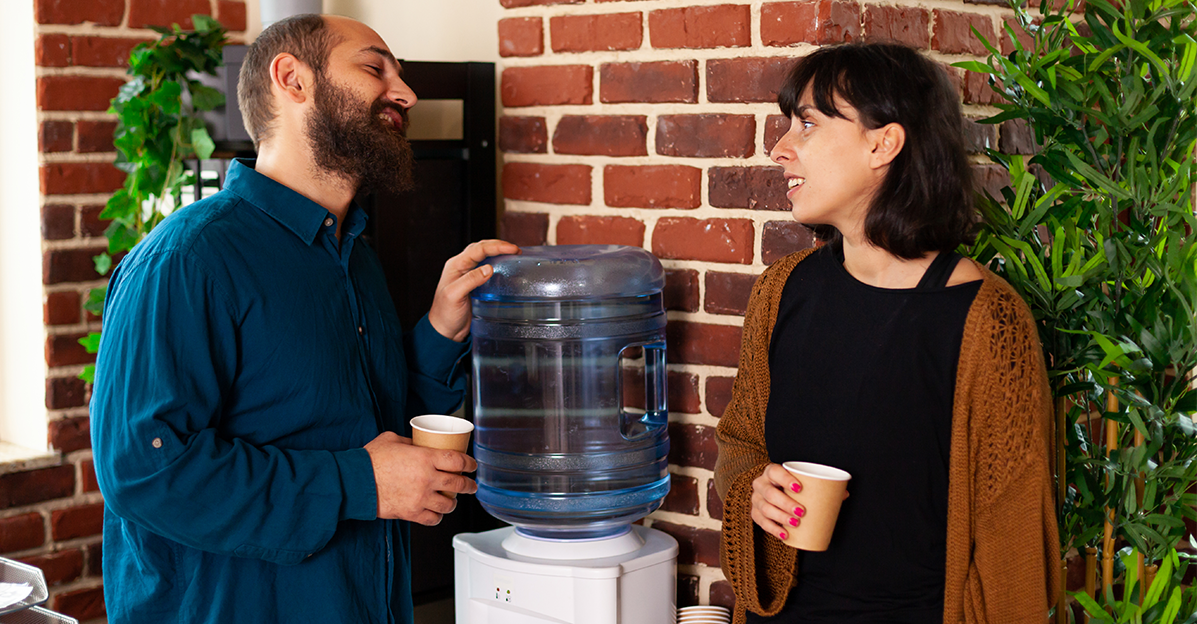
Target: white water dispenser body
(495, 586)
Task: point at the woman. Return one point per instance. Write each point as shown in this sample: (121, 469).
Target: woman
(886, 354)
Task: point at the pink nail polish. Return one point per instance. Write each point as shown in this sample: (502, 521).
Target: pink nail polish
(782, 535)
(793, 522)
(798, 511)
(796, 487)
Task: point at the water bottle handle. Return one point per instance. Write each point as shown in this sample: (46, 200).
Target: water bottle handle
(656, 409)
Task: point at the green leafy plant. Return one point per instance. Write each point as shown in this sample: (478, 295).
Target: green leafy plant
(1094, 231)
(1166, 601)
(158, 128)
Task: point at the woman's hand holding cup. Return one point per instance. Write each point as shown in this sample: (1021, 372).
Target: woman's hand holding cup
(772, 509)
(779, 502)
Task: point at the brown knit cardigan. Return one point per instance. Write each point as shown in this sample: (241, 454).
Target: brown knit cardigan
(1002, 543)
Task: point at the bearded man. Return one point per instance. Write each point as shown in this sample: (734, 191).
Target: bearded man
(253, 381)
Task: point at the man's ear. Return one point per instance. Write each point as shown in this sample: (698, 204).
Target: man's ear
(291, 78)
(886, 142)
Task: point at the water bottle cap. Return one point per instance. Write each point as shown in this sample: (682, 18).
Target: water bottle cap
(572, 272)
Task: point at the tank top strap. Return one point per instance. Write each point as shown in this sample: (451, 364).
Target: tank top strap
(940, 270)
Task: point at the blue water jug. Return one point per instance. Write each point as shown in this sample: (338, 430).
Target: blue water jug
(566, 340)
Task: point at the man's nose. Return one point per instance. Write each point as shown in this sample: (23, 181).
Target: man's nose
(401, 94)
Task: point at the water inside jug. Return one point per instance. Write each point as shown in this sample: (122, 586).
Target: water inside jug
(565, 340)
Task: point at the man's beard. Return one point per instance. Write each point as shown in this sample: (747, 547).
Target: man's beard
(350, 140)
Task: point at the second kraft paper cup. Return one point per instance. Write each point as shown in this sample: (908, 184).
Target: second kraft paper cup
(442, 432)
(822, 493)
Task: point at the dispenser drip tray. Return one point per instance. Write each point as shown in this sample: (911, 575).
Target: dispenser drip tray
(524, 544)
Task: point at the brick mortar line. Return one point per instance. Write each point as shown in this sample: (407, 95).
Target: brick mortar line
(81, 71)
(76, 543)
(69, 370)
(83, 242)
(599, 161)
(703, 267)
(75, 198)
(651, 215)
(27, 465)
(71, 244)
(84, 582)
(754, 25)
(50, 289)
(647, 109)
(649, 55)
(553, 114)
(704, 372)
(96, 31)
(708, 576)
(55, 158)
(62, 330)
(693, 471)
(59, 504)
(567, 10)
(705, 318)
(559, 10)
(705, 420)
(697, 522)
(54, 331)
(74, 116)
(66, 413)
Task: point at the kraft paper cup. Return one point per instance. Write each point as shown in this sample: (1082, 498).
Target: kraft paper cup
(442, 432)
(822, 492)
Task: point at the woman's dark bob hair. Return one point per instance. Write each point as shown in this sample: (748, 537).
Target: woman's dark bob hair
(924, 203)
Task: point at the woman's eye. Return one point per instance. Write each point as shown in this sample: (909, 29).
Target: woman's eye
(807, 124)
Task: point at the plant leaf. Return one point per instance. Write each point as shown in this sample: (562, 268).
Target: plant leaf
(202, 143)
(205, 98)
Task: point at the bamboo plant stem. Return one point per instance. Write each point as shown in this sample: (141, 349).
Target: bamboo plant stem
(1140, 483)
(1107, 549)
(1090, 574)
(1061, 484)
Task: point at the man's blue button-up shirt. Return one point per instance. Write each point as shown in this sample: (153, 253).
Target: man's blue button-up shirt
(247, 357)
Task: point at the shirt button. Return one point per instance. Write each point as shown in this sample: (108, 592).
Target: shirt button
(156, 443)
(360, 330)
(328, 222)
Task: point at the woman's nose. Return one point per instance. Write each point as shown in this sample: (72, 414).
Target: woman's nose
(783, 151)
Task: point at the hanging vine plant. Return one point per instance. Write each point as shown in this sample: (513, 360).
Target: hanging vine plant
(158, 129)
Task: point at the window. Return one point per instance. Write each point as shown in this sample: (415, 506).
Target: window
(22, 359)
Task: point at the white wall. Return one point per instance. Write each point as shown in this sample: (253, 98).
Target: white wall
(421, 30)
(22, 359)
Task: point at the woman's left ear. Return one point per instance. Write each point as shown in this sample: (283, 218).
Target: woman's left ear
(887, 142)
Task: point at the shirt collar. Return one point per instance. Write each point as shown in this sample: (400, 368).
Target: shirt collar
(297, 213)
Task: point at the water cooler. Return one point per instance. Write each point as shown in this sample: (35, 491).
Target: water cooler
(566, 338)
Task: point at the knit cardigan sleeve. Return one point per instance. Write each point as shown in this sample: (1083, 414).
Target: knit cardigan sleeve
(1002, 543)
(759, 567)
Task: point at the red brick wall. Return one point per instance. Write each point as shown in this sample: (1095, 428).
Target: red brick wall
(51, 510)
(649, 124)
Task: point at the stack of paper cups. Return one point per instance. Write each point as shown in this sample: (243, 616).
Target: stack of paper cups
(703, 615)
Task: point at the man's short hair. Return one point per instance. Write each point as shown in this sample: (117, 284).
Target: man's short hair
(306, 37)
